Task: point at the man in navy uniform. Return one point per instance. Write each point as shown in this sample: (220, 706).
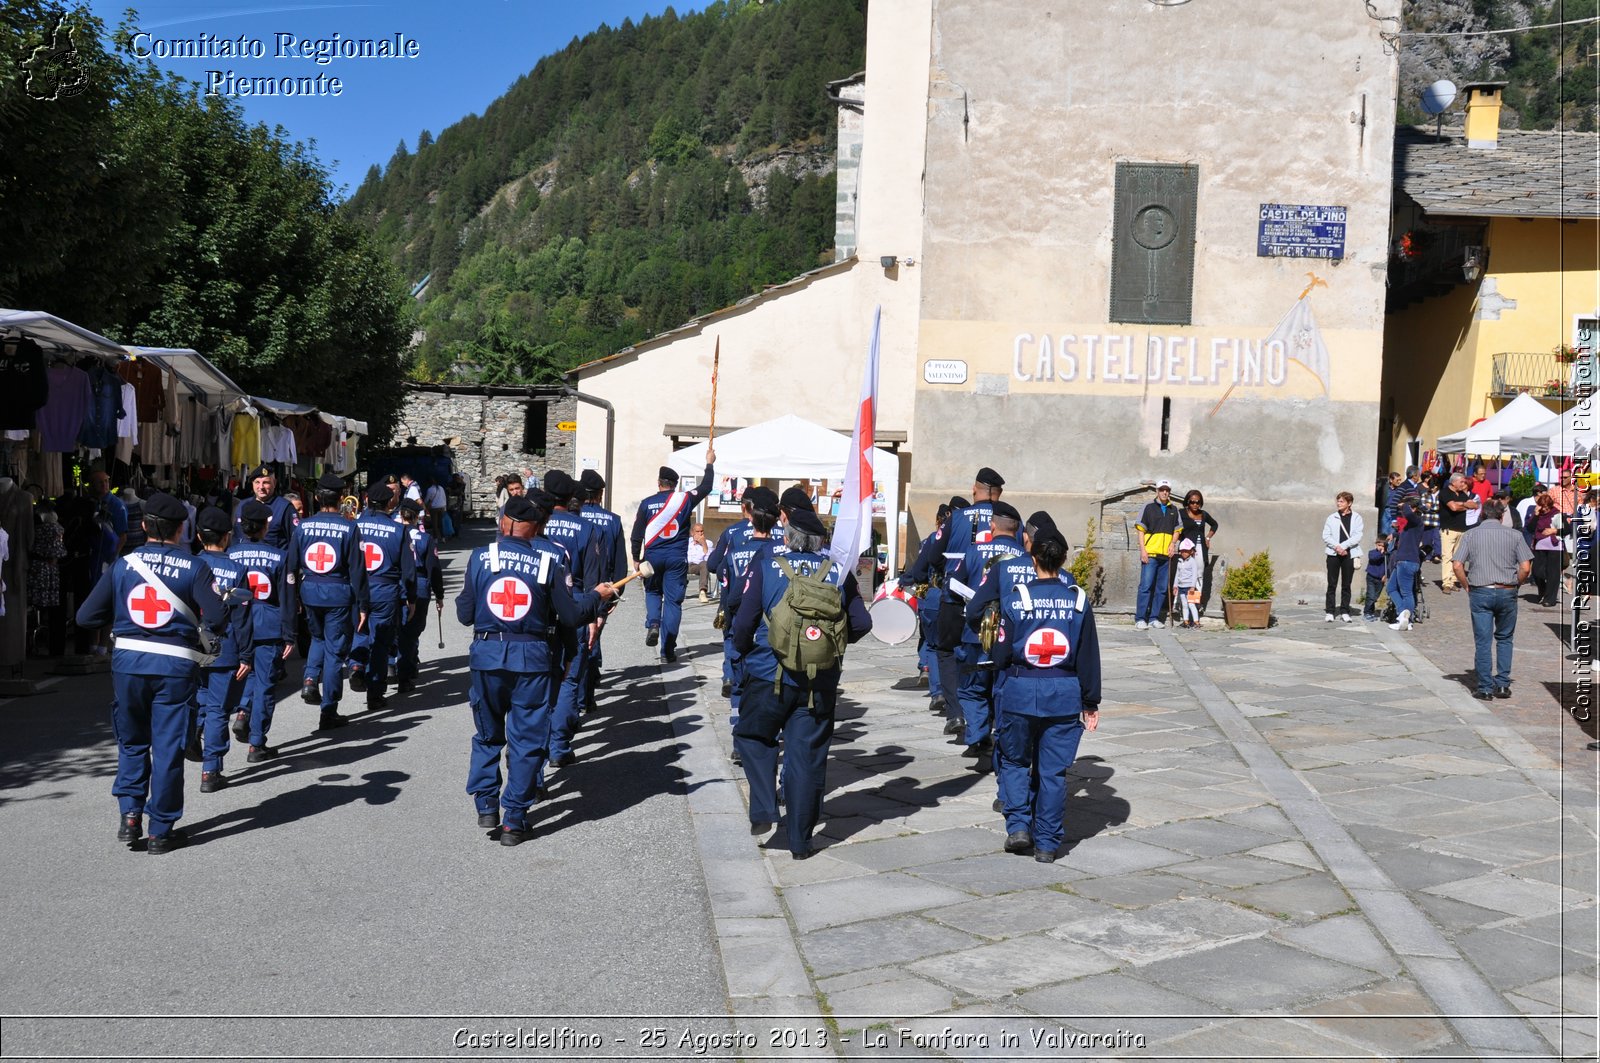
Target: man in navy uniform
(221, 683)
(762, 506)
(968, 525)
(391, 590)
(515, 597)
(156, 599)
(281, 515)
(801, 708)
(325, 563)
(991, 546)
(265, 576)
(430, 582)
(733, 537)
(614, 566)
(661, 537)
(1050, 696)
(928, 568)
(582, 545)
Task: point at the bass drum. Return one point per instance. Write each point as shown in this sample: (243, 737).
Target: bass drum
(894, 615)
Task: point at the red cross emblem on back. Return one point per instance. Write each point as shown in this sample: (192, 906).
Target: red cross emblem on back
(509, 598)
(984, 535)
(372, 553)
(260, 585)
(147, 608)
(321, 558)
(671, 529)
(1046, 648)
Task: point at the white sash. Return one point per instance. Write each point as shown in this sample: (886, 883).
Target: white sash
(670, 511)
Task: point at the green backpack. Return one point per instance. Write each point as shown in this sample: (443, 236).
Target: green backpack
(807, 629)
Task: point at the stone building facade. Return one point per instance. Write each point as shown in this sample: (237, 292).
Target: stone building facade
(490, 432)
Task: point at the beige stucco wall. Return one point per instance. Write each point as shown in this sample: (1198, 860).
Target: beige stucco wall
(801, 350)
(1441, 351)
(1032, 106)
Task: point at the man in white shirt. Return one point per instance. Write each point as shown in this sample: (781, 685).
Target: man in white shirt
(698, 549)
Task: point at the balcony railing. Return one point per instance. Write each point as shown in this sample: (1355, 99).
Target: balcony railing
(1542, 375)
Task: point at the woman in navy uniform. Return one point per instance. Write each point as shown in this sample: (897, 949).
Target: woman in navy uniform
(514, 596)
(1049, 697)
(221, 683)
(801, 709)
(155, 599)
(272, 623)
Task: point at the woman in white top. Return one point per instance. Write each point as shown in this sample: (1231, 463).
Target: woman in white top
(1341, 541)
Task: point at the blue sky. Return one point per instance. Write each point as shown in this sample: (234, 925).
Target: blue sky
(469, 53)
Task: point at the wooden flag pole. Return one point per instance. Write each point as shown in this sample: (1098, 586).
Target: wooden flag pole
(716, 360)
(1316, 282)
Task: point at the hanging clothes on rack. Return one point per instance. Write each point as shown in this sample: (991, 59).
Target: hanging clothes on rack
(24, 385)
(99, 428)
(65, 409)
(246, 447)
(16, 520)
(128, 424)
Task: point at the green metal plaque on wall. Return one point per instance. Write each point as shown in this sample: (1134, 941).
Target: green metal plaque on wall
(1152, 250)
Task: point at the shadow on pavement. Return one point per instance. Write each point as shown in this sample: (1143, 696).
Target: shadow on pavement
(1092, 802)
(55, 738)
(327, 793)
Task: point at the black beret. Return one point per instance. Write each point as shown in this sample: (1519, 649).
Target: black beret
(212, 519)
(1007, 511)
(329, 482)
(989, 477)
(762, 500)
(592, 481)
(560, 484)
(250, 509)
(410, 505)
(259, 471)
(380, 494)
(544, 500)
(795, 498)
(1042, 521)
(804, 518)
(957, 502)
(164, 506)
(1050, 535)
(667, 475)
(523, 508)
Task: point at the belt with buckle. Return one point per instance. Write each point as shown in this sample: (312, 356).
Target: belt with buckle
(505, 636)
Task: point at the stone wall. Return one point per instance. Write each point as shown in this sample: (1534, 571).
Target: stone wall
(484, 430)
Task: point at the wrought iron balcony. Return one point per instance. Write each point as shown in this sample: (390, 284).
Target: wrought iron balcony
(1541, 374)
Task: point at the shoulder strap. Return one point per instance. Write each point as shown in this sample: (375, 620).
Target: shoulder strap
(1027, 596)
(137, 563)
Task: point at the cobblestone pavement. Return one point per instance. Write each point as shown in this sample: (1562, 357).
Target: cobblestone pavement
(1298, 843)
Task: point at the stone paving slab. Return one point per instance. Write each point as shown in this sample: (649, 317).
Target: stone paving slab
(1331, 854)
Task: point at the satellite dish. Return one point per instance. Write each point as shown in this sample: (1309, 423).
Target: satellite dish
(1436, 98)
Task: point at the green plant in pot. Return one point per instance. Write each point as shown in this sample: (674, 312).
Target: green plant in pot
(1247, 592)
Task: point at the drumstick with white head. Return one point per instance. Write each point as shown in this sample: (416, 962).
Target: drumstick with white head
(645, 570)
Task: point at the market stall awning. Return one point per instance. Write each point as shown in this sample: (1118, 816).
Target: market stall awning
(1522, 415)
(351, 425)
(282, 409)
(47, 330)
(196, 372)
(1574, 434)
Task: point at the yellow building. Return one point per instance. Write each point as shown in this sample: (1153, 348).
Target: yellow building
(1495, 265)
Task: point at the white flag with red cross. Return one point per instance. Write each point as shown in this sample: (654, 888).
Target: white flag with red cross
(852, 531)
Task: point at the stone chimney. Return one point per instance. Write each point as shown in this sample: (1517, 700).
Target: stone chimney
(849, 95)
(1483, 114)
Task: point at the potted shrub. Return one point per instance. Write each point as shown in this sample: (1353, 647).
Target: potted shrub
(1086, 568)
(1247, 593)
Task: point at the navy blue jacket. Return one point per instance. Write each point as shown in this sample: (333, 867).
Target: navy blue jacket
(673, 543)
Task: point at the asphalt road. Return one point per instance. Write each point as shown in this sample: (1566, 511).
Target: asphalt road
(348, 883)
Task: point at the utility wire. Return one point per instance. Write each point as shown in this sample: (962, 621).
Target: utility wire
(1490, 33)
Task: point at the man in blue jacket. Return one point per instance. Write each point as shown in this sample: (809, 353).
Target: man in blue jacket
(661, 537)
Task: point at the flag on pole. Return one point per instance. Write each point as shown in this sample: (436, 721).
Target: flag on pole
(852, 532)
(1302, 341)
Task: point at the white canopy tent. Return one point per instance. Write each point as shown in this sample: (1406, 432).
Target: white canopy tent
(791, 448)
(1573, 434)
(1521, 416)
(196, 372)
(52, 331)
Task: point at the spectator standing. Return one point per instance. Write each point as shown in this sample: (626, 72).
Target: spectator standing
(1405, 561)
(1428, 509)
(1377, 569)
(1156, 526)
(698, 550)
(1565, 494)
(1480, 487)
(1492, 562)
(1548, 546)
(1198, 526)
(1388, 501)
(1186, 584)
(1341, 539)
(1455, 502)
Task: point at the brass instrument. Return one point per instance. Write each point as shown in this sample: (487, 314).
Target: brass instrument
(349, 506)
(989, 626)
(920, 590)
(720, 621)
